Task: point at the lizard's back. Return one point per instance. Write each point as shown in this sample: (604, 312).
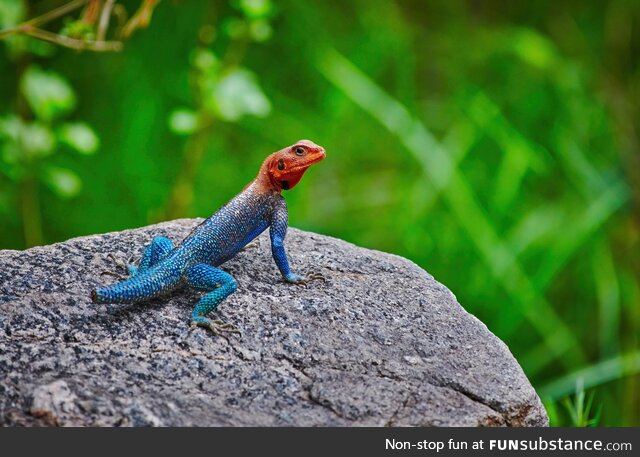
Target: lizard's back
(213, 242)
(222, 235)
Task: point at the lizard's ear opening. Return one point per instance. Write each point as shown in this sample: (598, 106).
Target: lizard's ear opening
(281, 175)
(275, 167)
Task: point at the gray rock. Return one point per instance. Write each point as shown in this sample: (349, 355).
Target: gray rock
(380, 342)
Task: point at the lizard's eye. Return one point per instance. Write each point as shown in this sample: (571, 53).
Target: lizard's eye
(299, 151)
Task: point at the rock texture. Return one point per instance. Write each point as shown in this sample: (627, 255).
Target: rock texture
(380, 342)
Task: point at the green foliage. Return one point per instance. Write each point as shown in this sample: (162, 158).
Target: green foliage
(183, 121)
(495, 147)
(11, 12)
(237, 94)
(65, 183)
(48, 94)
(580, 412)
(255, 9)
(575, 411)
(80, 137)
(30, 138)
(24, 141)
(228, 94)
(255, 23)
(79, 29)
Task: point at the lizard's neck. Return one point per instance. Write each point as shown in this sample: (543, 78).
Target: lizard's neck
(265, 181)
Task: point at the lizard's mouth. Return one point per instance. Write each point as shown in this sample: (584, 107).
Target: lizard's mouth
(310, 160)
(290, 177)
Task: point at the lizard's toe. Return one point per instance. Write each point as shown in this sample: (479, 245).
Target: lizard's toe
(315, 275)
(217, 326)
(114, 274)
(303, 280)
(119, 266)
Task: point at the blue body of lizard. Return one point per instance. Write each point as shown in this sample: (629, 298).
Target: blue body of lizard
(259, 206)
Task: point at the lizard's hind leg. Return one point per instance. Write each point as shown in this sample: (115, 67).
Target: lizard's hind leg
(220, 285)
(153, 253)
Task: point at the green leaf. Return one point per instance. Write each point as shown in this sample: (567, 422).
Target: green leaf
(80, 137)
(38, 47)
(25, 140)
(183, 121)
(260, 30)
(205, 60)
(11, 127)
(533, 48)
(238, 94)
(37, 140)
(49, 95)
(62, 181)
(11, 12)
(256, 9)
(593, 375)
(79, 29)
(234, 27)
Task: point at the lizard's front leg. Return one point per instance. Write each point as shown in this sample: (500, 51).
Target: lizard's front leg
(220, 285)
(278, 231)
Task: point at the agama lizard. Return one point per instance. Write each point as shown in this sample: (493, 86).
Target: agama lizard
(195, 261)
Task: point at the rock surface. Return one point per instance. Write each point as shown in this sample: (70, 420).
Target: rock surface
(380, 342)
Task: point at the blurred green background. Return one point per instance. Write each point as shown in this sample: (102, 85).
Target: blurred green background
(495, 144)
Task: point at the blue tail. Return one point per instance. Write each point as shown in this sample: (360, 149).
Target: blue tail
(143, 286)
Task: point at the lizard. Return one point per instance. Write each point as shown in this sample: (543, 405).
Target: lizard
(164, 267)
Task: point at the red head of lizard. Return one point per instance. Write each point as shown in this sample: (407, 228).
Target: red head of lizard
(282, 170)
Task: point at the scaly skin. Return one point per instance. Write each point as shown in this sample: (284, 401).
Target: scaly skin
(164, 267)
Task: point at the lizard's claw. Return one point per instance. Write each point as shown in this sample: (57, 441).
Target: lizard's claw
(114, 274)
(303, 280)
(315, 275)
(119, 265)
(217, 326)
(117, 262)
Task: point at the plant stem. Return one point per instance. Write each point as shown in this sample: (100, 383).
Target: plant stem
(140, 18)
(31, 29)
(44, 18)
(105, 15)
(68, 42)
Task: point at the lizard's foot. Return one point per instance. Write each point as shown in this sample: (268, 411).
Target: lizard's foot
(315, 275)
(303, 280)
(217, 326)
(114, 274)
(120, 265)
